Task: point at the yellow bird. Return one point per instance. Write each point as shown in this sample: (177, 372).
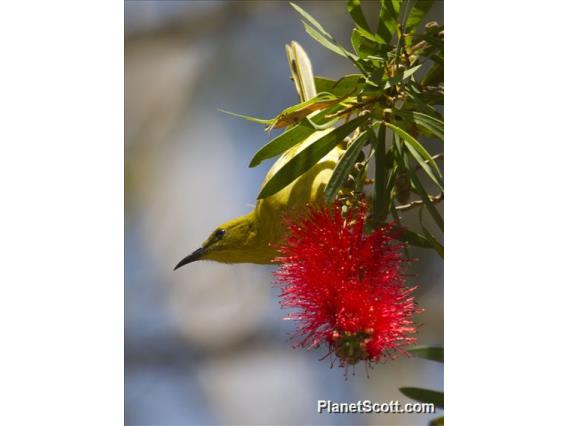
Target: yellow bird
(251, 238)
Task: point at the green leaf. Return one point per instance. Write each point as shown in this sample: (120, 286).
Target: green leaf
(419, 9)
(319, 34)
(421, 155)
(412, 238)
(308, 157)
(424, 395)
(247, 117)
(434, 76)
(294, 114)
(408, 73)
(281, 143)
(351, 83)
(432, 126)
(434, 242)
(367, 47)
(388, 19)
(380, 207)
(416, 96)
(354, 9)
(344, 166)
(433, 353)
(289, 138)
(426, 199)
(431, 239)
(325, 42)
(311, 20)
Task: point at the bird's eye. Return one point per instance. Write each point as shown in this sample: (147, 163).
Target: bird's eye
(219, 233)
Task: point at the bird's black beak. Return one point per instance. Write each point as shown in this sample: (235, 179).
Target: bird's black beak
(196, 255)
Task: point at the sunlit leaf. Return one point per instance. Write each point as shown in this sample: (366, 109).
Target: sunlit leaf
(349, 84)
(354, 9)
(311, 20)
(318, 33)
(308, 157)
(288, 139)
(248, 118)
(419, 9)
(421, 155)
(296, 113)
(327, 43)
(388, 19)
(406, 74)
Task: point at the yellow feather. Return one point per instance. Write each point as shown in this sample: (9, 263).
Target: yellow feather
(251, 238)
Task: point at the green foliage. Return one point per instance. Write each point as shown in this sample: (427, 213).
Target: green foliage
(308, 157)
(344, 166)
(433, 353)
(424, 395)
(389, 102)
(383, 111)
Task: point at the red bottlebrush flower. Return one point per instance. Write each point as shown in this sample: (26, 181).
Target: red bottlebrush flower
(346, 287)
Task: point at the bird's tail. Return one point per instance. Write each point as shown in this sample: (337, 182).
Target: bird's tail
(301, 69)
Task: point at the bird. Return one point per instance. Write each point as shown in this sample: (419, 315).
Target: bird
(253, 237)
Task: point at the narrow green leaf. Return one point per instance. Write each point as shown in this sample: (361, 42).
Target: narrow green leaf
(324, 84)
(281, 143)
(424, 395)
(412, 238)
(416, 95)
(419, 9)
(325, 42)
(247, 117)
(354, 9)
(434, 76)
(432, 126)
(433, 353)
(367, 47)
(318, 33)
(308, 157)
(351, 83)
(311, 20)
(380, 207)
(344, 166)
(388, 19)
(426, 198)
(289, 138)
(406, 74)
(436, 245)
(421, 155)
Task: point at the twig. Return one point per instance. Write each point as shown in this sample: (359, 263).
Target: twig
(434, 157)
(435, 199)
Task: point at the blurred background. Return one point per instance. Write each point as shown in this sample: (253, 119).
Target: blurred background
(206, 345)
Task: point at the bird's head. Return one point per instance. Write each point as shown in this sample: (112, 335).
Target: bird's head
(235, 241)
